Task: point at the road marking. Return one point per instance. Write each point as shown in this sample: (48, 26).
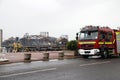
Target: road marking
(30, 72)
(54, 60)
(95, 63)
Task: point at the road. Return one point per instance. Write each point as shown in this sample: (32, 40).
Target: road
(67, 69)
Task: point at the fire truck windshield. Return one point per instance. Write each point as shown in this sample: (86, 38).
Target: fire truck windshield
(88, 35)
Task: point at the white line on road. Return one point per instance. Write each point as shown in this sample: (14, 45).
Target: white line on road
(17, 74)
(54, 60)
(95, 63)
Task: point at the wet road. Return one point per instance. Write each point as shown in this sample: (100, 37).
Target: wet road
(68, 69)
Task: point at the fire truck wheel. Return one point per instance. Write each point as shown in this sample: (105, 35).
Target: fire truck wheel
(104, 54)
(85, 56)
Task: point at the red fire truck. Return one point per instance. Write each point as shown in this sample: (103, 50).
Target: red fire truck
(95, 40)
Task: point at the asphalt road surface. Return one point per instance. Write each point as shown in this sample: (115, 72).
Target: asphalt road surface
(67, 69)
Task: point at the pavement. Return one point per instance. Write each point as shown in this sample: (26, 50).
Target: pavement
(35, 56)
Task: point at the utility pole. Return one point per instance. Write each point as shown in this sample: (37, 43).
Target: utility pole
(1, 37)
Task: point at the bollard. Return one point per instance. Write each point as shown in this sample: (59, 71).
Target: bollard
(27, 57)
(61, 54)
(45, 56)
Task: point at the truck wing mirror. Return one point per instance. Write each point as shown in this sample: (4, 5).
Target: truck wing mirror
(76, 36)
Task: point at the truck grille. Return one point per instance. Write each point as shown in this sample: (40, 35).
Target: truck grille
(87, 46)
(87, 51)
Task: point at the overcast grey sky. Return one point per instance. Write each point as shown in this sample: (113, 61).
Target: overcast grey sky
(58, 17)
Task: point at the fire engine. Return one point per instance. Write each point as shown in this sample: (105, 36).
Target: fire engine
(96, 40)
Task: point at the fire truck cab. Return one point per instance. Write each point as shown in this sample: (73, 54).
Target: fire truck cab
(95, 40)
